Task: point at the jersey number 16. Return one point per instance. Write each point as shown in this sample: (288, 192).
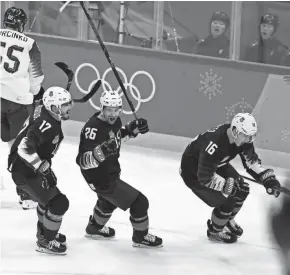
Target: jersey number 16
(211, 148)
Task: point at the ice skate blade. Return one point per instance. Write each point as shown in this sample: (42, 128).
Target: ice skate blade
(47, 251)
(98, 237)
(226, 229)
(220, 242)
(140, 245)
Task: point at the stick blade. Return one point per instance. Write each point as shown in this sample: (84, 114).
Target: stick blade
(90, 94)
(64, 67)
(61, 65)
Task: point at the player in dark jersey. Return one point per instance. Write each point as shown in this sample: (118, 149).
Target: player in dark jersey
(99, 151)
(30, 164)
(205, 169)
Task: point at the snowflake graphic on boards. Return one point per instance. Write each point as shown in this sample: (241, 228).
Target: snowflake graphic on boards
(285, 136)
(241, 106)
(210, 84)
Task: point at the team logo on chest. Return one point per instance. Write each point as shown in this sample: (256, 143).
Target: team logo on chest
(56, 140)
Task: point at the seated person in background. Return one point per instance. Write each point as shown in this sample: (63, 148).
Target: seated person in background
(267, 49)
(216, 44)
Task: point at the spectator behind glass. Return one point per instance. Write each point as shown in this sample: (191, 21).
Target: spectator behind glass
(216, 44)
(267, 49)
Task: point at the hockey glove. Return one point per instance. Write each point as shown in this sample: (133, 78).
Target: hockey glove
(48, 179)
(137, 126)
(43, 167)
(107, 148)
(272, 185)
(230, 187)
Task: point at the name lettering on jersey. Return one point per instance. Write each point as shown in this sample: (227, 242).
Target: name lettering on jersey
(15, 35)
(210, 149)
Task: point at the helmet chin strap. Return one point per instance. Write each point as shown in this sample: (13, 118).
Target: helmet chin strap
(59, 115)
(235, 137)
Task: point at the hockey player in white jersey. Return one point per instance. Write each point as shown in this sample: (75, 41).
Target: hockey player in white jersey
(21, 73)
(20, 77)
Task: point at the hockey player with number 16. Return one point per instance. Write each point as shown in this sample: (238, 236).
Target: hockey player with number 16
(206, 170)
(99, 151)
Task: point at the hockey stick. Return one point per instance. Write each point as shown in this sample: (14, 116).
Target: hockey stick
(70, 74)
(281, 189)
(108, 58)
(90, 94)
(64, 6)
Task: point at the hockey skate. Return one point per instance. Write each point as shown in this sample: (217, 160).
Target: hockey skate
(50, 247)
(93, 232)
(221, 236)
(233, 227)
(148, 241)
(61, 238)
(27, 204)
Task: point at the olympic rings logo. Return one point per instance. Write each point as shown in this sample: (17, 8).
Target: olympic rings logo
(129, 86)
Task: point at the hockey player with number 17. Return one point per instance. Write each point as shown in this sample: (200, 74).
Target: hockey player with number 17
(206, 170)
(99, 151)
(30, 162)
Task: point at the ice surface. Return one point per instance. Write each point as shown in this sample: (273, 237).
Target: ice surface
(175, 213)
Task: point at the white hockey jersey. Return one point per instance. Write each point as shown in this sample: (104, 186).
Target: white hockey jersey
(20, 67)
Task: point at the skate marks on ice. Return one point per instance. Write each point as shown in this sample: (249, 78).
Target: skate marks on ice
(185, 252)
(183, 228)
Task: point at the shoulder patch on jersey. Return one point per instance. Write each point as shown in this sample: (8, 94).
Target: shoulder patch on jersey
(37, 112)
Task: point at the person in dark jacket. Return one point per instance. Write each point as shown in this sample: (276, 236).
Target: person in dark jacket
(216, 44)
(267, 49)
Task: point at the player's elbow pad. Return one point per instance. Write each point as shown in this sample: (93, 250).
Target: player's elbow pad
(35, 89)
(87, 161)
(217, 183)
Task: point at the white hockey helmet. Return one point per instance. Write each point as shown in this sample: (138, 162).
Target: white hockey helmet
(245, 123)
(110, 99)
(55, 96)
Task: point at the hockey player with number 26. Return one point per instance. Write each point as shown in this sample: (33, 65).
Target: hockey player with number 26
(99, 151)
(30, 165)
(206, 170)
